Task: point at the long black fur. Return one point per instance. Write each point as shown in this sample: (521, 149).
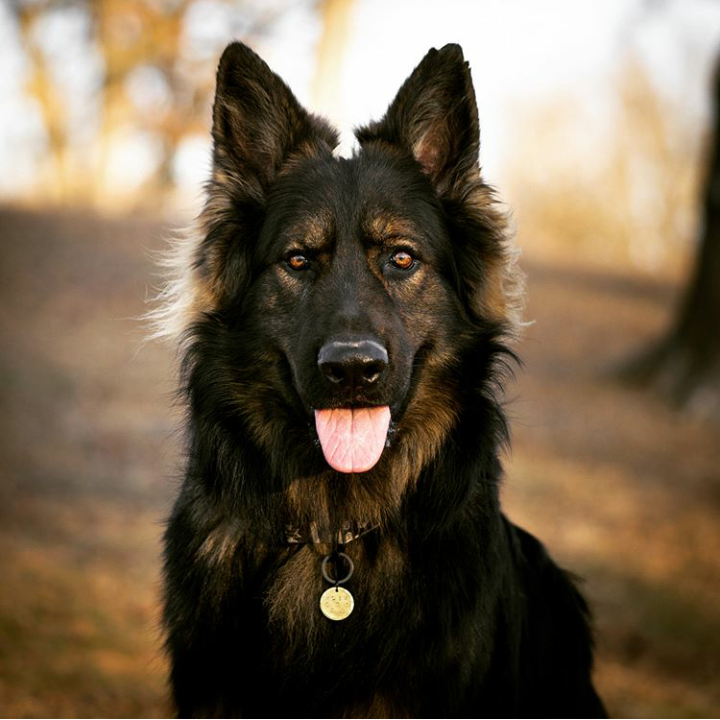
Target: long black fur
(458, 613)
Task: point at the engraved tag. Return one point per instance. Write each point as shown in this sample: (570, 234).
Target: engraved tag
(336, 603)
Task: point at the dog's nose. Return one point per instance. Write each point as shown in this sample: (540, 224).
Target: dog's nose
(353, 363)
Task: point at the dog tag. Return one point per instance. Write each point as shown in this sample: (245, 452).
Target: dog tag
(336, 603)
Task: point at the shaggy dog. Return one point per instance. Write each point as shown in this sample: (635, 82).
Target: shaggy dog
(337, 548)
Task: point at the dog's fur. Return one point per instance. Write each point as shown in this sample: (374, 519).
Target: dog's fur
(458, 612)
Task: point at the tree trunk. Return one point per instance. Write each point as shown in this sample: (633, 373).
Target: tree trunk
(685, 365)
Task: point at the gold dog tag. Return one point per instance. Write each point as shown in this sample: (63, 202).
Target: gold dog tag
(336, 603)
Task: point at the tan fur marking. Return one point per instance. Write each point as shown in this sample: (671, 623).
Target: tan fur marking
(290, 599)
(384, 226)
(312, 231)
(220, 176)
(220, 544)
(502, 296)
(426, 424)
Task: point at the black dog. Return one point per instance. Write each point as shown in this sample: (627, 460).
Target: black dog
(337, 548)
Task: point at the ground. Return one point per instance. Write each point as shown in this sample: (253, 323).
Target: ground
(623, 490)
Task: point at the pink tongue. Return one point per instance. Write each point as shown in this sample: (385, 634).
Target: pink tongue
(352, 439)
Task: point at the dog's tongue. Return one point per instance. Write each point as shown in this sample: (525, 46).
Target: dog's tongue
(352, 439)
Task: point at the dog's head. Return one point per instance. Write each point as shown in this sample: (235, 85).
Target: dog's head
(356, 301)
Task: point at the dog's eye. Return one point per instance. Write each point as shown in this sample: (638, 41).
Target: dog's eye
(402, 260)
(297, 262)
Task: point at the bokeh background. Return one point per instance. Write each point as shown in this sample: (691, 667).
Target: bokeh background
(598, 128)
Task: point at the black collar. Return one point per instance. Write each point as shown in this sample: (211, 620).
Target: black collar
(310, 533)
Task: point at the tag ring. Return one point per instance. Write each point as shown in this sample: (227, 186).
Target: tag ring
(346, 558)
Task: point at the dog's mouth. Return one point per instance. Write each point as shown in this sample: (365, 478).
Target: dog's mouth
(352, 439)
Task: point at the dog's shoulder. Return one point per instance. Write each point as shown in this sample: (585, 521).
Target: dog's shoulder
(557, 632)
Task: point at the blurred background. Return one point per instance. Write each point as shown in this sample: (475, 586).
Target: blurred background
(600, 130)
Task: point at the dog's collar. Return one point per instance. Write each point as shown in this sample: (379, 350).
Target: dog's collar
(311, 533)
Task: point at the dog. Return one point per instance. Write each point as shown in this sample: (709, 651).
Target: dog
(337, 547)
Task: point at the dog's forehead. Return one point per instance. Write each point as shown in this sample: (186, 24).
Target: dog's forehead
(324, 222)
(321, 202)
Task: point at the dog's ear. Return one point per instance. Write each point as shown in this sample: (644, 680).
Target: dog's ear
(434, 117)
(258, 124)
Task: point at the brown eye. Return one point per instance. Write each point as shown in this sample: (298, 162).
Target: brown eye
(402, 260)
(297, 262)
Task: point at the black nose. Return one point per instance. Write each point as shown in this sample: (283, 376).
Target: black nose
(353, 363)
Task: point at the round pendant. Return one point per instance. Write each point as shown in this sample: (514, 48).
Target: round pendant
(336, 603)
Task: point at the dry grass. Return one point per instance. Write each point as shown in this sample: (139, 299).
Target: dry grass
(620, 488)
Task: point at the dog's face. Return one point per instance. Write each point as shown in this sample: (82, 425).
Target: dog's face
(354, 277)
(344, 288)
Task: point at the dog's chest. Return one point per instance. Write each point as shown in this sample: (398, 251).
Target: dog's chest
(315, 601)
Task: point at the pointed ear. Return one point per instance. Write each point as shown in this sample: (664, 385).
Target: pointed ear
(258, 124)
(434, 118)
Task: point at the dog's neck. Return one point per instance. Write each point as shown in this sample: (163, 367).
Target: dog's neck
(312, 532)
